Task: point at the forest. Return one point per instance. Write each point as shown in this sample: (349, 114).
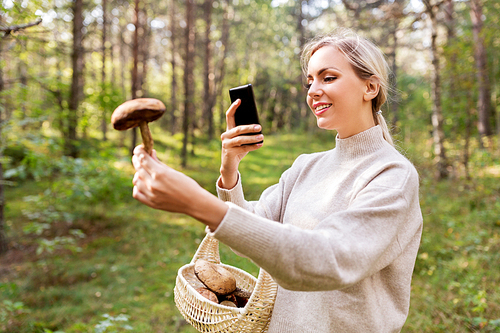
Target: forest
(79, 254)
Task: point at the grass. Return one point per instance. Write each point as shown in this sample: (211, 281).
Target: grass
(128, 261)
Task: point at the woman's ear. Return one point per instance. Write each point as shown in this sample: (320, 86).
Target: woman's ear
(372, 88)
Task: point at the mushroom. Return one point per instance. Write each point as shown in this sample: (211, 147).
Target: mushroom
(208, 294)
(229, 303)
(230, 298)
(138, 112)
(242, 296)
(215, 277)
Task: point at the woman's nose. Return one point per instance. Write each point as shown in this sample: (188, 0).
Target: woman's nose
(314, 90)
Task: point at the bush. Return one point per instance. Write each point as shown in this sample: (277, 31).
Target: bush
(77, 189)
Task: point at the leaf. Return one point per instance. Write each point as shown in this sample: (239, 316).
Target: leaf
(121, 317)
(11, 173)
(495, 322)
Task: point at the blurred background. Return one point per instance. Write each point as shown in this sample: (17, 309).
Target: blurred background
(78, 254)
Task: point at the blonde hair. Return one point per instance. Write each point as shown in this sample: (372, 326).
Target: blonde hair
(367, 60)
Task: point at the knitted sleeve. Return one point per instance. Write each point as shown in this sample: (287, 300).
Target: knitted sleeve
(272, 200)
(347, 246)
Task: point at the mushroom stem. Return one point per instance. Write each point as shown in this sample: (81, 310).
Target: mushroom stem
(147, 139)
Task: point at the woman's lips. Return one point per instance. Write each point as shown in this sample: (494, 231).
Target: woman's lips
(321, 108)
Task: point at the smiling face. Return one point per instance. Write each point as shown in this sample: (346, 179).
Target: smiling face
(336, 95)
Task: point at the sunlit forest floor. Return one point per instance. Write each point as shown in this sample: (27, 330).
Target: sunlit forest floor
(85, 257)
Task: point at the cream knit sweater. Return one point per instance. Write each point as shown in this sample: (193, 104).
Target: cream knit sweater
(344, 251)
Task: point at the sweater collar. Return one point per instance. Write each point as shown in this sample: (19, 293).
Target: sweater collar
(361, 144)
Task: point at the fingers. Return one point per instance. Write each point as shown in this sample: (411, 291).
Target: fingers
(135, 162)
(150, 163)
(239, 135)
(230, 123)
(137, 195)
(232, 139)
(140, 160)
(143, 197)
(142, 181)
(148, 188)
(242, 130)
(154, 155)
(139, 150)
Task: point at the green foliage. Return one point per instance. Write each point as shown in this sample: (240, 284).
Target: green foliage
(60, 242)
(113, 324)
(82, 247)
(79, 181)
(130, 268)
(77, 189)
(455, 285)
(10, 309)
(100, 102)
(81, 185)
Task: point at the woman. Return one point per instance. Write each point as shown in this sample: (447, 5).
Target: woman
(349, 218)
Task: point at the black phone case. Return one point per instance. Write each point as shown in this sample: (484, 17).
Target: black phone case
(246, 114)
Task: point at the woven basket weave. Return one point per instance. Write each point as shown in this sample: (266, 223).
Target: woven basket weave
(207, 316)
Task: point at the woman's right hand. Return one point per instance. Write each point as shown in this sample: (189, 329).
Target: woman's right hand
(235, 146)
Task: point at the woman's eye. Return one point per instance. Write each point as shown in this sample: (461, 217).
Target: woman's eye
(330, 78)
(307, 85)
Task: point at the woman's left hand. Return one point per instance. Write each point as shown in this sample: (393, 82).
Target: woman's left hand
(161, 187)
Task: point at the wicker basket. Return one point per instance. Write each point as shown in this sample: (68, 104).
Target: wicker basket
(207, 316)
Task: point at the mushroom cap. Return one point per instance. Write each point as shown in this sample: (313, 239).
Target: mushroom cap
(131, 113)
(215, 277)
(229, 303)
(208, 294)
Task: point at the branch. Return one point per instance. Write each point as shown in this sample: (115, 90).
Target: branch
(417, 17)
(16, 28)
(357, 6)
(349, 6)
(429, 6)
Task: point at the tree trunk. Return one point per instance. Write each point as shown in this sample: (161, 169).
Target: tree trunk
(23, 79)
(188, 76)
(173, 62)
(135, 75)
(3, 237)
(451, 59)
(112, 56)
(437, 114)
(219, 78)
(104, 117)
(76, 81)
(450, 32)
(468, 131)
(123, 59)
(484, 99)
(135, 52)
(301, 109)
(144, 47)
(394, 105)
(208, 75)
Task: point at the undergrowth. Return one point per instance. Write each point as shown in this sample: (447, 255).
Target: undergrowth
(85, 257)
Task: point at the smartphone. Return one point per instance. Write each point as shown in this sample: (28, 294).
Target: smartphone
(246, 114)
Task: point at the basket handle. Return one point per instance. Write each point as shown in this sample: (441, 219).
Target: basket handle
(265, 286)
(208, 250)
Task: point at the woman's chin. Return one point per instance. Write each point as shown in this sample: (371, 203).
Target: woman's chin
(323, 125)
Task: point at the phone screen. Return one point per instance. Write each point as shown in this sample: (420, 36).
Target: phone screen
(246, 114)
